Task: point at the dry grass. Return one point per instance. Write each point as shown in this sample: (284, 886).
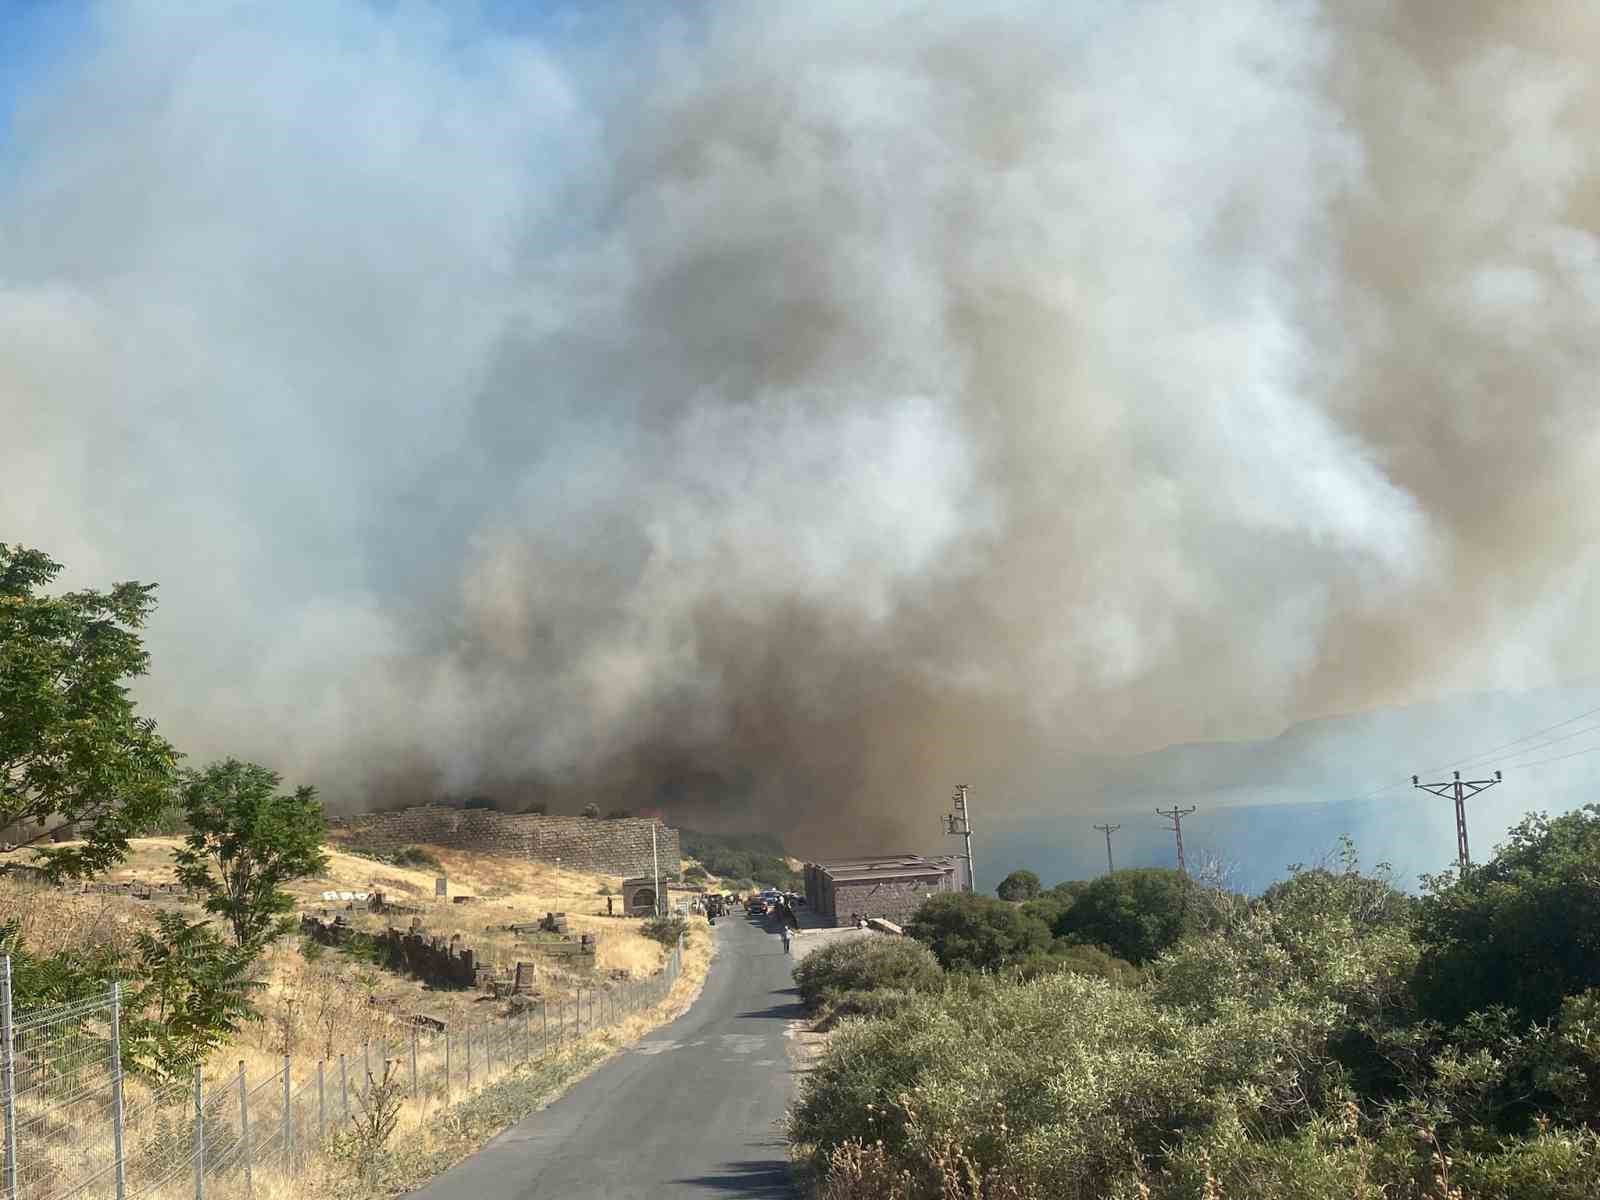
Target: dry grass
(312, 1010)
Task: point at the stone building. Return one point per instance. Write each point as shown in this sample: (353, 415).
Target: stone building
(887, 885)
(639, 896)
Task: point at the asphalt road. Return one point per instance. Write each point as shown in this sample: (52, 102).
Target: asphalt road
(694, 1110)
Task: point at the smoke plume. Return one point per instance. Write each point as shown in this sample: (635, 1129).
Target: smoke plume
(785, 412)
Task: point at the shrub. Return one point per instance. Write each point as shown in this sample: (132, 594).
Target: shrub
(1080, 960)
(1136, 914)
(1522, 930)
(416, 856)
(865, 964)
(977, 933)
(666, 930)
(834, 1007)
(1019, 885)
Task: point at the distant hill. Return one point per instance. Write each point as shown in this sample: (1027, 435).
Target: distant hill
(1263, 804)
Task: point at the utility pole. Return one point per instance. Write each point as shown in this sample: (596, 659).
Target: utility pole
(1458, 789)
(959, 824)
(655, 864)
(1176, 816)
(1108, 830)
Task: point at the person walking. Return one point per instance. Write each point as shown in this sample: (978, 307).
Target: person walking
(784, 931)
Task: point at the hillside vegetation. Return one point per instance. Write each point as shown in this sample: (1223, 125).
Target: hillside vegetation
(745, 860)
(1331, 1039)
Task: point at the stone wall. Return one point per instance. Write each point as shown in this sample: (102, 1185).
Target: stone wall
(620, 847)
(896, 899)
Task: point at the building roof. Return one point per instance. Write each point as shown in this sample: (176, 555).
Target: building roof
(886, 866)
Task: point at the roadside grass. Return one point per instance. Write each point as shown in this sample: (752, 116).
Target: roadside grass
(318, 1003)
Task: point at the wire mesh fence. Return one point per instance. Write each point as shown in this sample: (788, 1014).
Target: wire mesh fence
(76, 1127)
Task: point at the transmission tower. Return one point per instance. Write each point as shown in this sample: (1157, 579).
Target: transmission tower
(1108, 830)
(1176, 816)
(958, 823)
(1458, 789)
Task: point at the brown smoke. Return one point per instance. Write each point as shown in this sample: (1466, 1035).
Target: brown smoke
(838, 403)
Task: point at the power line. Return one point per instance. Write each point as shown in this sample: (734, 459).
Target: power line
(1490, 753)
(1557, 758)
(1565, 737)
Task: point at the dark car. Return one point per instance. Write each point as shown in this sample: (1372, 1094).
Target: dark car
(755, 906)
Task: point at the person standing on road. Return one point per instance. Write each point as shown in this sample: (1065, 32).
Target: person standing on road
(784, 930)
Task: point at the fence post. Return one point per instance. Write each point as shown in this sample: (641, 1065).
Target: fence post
(322, 1103)
(447, 1064)
(8, 1077)
(117, 1113)
(366, 1066)
(469, 1056)
(244, 1130)
(413, 1062)
(527, 1035)
(544, 1019)
(344, 1088)
(288, 1125)
(199, 1136)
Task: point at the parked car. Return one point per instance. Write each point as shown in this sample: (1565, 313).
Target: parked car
(756, 906)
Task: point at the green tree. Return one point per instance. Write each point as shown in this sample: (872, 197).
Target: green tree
(245, 842)
(1021, 884)
(976, 933)
(1522, 930)
(73, 748)
(1136, 914)
(195, 991)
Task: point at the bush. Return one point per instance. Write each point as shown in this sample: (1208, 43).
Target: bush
(666, 930)
(1080, 960)
(416, 856)
(1521, 931)
(1019, 885)
(1137, 914)
(1276, 1051)
(977, 933)
(834, 1007)
(866, 964)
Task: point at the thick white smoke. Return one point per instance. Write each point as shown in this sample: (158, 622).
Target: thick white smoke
(794, 409)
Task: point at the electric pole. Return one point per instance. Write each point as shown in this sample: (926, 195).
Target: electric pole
(959, 824)
(1108, 830)
(1459, 789)
(1176, 816)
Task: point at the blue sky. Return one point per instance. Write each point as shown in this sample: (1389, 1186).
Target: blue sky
(37, 38)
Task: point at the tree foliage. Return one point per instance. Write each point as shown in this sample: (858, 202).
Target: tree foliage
(73, 748)
(976, 933)
(1021, 884)
(246, 841)
(194, 992)
(1136, 914)
(748, 857)
(1520, 931)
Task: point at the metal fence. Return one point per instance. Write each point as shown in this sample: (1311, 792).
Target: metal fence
(77, 1128)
